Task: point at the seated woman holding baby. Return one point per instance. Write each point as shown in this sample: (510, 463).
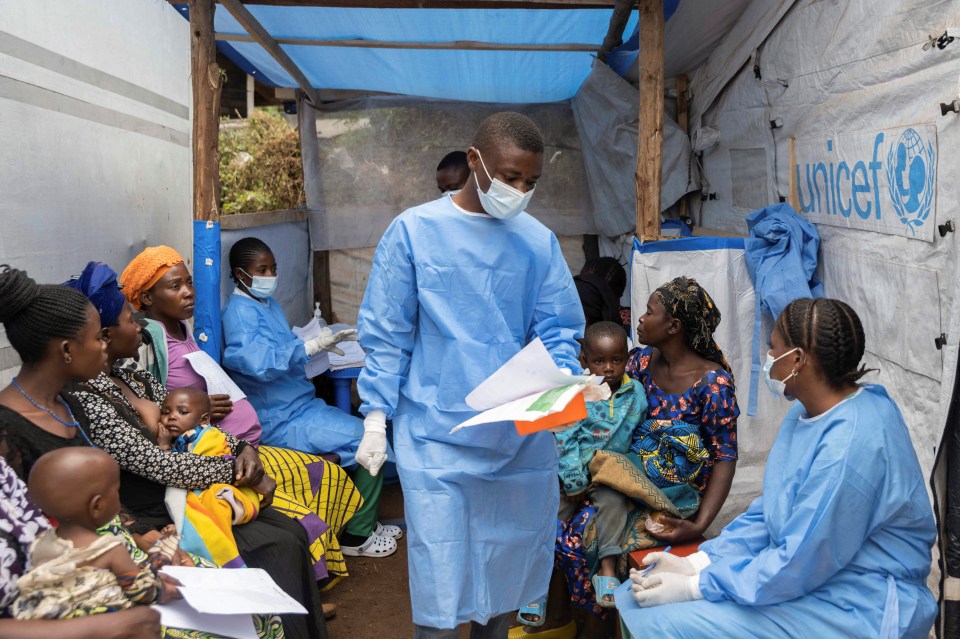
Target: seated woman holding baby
(688, 387)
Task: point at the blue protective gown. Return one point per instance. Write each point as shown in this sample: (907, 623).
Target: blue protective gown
(268, 362)
(838, 545)
(451, 297)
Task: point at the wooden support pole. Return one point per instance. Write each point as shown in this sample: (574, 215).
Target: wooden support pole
(455, 45)
(650, 138)
(252, 26)
(683, 119)
(207, 82)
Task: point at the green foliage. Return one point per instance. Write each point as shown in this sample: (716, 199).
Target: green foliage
(260, 167)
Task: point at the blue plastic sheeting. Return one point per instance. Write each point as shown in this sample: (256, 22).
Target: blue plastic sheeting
(207, 329)
(466, 75)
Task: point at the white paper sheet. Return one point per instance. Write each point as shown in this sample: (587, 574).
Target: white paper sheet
(218, 382)
(529, 372)
(319, 362)
(179, 614)
(529, 408)
(233, 591)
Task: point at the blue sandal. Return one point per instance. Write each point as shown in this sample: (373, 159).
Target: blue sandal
(536, 608)
(604, 587)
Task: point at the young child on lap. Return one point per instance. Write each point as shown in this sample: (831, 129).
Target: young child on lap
(610, 425)
(75, 571)
(210, 514)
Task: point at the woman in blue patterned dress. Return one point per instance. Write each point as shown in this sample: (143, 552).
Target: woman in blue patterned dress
(686, 377)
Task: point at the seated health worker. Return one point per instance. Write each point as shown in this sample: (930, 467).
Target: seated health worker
(268, 362)
(838, 544)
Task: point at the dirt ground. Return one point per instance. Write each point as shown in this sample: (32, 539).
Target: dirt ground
(374, 601)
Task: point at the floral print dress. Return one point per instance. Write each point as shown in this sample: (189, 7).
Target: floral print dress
(711, 403)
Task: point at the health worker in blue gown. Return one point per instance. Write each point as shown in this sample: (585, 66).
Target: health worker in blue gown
(458, 286)
(268, 362)
(838, 544)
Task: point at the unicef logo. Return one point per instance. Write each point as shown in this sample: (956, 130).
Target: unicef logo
(911, 172)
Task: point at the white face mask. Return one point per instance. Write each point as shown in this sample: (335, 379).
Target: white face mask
(777, 386)
(261, 286)
(501, 200)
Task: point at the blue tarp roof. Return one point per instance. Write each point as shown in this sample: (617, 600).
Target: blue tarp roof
(468, 75)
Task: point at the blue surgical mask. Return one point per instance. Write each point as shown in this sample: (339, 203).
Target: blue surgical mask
(777, 386)
(501, 200)
(261, 286)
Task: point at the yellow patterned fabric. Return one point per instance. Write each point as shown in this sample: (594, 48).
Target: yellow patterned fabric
(327, 491)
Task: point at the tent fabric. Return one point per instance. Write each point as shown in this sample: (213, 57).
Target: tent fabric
(719, 265)
(688, 39)
(865, 74)
(606, 111)
(466, 75)
(370, 159)
(95, 119)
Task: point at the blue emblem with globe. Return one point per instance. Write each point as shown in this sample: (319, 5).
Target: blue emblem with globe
(911, 174)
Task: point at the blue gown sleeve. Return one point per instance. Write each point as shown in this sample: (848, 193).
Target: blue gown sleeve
(387, 322)
(254, 348)
(827, 526)
(558, 316)
(745, 536)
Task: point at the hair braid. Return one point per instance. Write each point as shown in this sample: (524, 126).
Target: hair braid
(33, 314)
(830, 331)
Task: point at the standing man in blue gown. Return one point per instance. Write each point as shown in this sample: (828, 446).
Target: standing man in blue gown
(458, 286)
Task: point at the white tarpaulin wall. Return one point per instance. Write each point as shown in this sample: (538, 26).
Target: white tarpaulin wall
(718, 265)
(834, 73)
(95, 123)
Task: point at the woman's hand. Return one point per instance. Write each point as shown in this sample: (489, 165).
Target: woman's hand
(168, 587)
(220, 407)
(683, 530)
(266, 488)
(248, 467)
(139, 622)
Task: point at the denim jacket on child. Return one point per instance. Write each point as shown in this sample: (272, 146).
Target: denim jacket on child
(609, 426)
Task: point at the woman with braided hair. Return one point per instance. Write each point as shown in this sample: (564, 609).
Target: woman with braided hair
(686, 378)
(838, 544)
(56, 333)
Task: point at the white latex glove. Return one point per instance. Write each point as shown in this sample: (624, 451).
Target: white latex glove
(372, 452)
(667, 562)
(666, 588)
(327, 340)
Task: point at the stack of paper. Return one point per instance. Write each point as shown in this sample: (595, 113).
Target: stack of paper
(221, 601)
(320, 362)
(353, 355)
(530, 386)
(218, 382)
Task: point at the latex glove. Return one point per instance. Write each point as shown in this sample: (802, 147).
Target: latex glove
(666, 588)
(327, 340)
(670, 563)
(372, 452)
